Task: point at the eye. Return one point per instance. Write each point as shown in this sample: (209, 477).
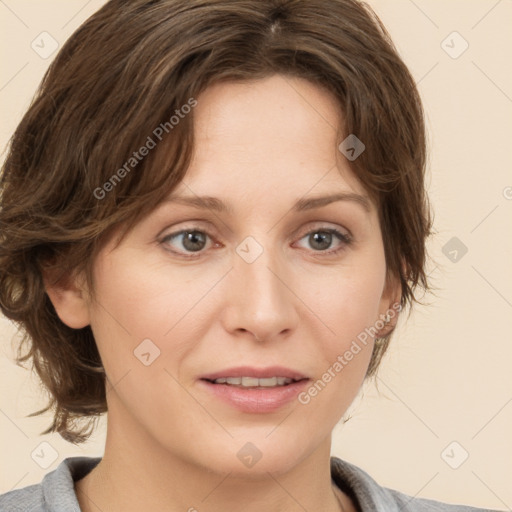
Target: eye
(191, 240)
(321, 240)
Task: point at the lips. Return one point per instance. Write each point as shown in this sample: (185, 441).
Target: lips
(256, 373)
(256, 400)
(254, 390)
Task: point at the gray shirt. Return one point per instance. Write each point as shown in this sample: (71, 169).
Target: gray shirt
(56, 491)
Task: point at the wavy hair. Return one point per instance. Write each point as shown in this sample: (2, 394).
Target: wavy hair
(125, 71)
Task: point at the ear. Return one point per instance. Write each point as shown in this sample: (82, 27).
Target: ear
(68, 296)
(390, 304)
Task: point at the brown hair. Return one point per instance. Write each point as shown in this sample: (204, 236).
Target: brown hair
(125, 72)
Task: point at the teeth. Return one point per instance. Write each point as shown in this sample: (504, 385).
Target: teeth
(272, 381)
(250, 382)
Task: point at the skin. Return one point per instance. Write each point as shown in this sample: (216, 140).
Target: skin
(260, 146)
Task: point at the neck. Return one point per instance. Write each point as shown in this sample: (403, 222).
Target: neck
(142, 476)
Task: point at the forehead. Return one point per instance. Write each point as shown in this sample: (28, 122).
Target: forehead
(278, 108)
(274, 134)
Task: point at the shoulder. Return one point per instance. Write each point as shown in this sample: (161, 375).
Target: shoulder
(371, 496)
(409, 504)
(28, 499)
(56, 491)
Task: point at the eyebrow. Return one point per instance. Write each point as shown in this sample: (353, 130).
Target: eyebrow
(303, 204)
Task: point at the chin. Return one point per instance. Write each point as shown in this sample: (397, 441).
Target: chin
(254, 456)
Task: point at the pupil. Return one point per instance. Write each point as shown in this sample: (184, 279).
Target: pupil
(193, 241)
(322, 238)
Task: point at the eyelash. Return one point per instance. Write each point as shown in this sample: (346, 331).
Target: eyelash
(344, 238)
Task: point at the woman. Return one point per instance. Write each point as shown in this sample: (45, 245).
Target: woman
(213, 215)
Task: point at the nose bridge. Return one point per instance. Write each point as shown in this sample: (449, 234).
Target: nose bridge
(260, 300)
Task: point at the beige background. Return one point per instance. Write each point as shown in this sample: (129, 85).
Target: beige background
(447, 377)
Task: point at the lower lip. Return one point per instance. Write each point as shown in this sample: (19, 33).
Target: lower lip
(256, 400)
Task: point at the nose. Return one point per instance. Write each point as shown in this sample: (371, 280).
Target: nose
(260, 298)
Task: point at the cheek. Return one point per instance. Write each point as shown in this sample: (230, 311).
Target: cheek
(139, 300)
(127, 311)
(347, 298)
(348, 303)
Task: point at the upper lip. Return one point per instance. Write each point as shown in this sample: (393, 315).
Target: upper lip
(259, 373)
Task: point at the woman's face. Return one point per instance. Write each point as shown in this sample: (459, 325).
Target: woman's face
(258, 284)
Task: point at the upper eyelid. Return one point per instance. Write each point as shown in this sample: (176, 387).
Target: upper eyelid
(207, 230)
